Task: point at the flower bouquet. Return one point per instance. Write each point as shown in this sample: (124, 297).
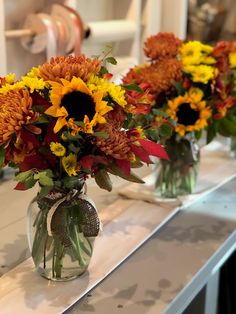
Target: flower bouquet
(60, 124)
(223, 120)
(181, 78)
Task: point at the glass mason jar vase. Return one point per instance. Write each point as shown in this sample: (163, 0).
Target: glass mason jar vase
(232, 143)
(178, 176)
(62, 227)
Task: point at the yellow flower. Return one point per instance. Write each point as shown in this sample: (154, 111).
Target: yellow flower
(72, 102)
(189, 111)
(206, 48)
(10, 78)
(132, 158)
(190, 52)
(140, 131)
(33, 83)
(195, 53)
(8, 87)
(34, 72)
(208, 60)
(116, 92)
(69, 163)
(196, 94)
(232, 59)
(57, 149)
(200, 73)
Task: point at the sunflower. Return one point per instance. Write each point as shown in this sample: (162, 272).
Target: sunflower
(189, 111)
(15, 113)
(73, 102)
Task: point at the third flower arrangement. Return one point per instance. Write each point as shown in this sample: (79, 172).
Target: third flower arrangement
(192, 87)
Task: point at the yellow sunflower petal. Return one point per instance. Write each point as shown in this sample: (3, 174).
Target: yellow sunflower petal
(61, 121)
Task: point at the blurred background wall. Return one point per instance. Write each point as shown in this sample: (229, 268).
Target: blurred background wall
(149, 17)
(193, 19)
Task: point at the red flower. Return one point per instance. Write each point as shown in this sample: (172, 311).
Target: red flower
(223, 106)
(38, 100)
(140, 102)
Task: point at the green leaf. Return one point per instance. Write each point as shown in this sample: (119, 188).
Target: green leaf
(103, 70)
(103, 180)
(42, 119)
(2, 156)
(111, 60)
(45, 181)
(128, 120)
(44, 191)
(12, 165)
(179, 87)
(211, 133)
(49, 173)
(198, 135)
(73, 148)
(227, 126)
(132, 177)
(165, 130)
(153, 134)
(133, 87)
(69, 137)
(159, 113)
(29, 182)
(23, 176)
(44, 178)
(70, 182)
(173, 122)
(79, 123)
(101, 134)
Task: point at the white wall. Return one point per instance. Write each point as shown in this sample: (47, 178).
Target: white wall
(2, 41)
(154, 16)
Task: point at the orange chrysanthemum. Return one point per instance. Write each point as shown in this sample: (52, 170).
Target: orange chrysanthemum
(160, 75)
(15, 112)
(221, 52)
(117, 143)
(222, 49)
(162, 45)
(69, 66)
(116, 117)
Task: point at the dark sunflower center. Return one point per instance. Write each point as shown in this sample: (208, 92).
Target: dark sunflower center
(78, 105)
(186, 115)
